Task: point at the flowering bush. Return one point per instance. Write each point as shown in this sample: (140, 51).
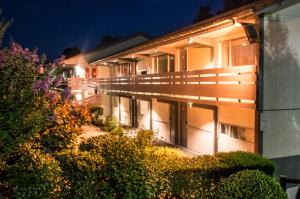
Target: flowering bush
(64, 127)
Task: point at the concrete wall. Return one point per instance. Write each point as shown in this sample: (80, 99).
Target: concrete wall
(280, 118)
(143, 114)
(200, 136)
(160, 119)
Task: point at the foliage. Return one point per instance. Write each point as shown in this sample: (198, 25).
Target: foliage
(112, 126)
(71, 51)
(83, 173)
(249, 184)
(35, 175)
(204, 12)
(197, 177)
(63, 131)
(97, 113)
(145, 137)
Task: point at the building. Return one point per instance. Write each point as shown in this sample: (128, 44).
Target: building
(224, 84)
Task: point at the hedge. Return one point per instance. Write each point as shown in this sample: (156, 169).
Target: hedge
(249, 184)
(35, 175)
(198, 177)
(83, 174)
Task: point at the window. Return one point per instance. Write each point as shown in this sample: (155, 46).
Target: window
(164, 63)
(237, 132)
(238, 52)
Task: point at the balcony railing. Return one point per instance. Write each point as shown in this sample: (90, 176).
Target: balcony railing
(219, 86)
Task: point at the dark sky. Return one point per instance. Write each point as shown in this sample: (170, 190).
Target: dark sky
(52, 25)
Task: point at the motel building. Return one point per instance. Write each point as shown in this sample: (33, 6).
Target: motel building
(229, 83)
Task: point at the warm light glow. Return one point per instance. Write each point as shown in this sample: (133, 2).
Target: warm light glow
(190, 40)
(155, 50)
(236, 23)
(78, 96)
(190, 104)
(79, 71)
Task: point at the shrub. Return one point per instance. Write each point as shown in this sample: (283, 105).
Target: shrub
(112, 126)
(97, 113)
(34, 175)
(83, 172)
(197, 177)
(63, 131)
(92, 144)
(145, 137)
(249, 184)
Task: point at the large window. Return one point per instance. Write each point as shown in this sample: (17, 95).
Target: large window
(237, 132)
(239, 52)
(164, 63)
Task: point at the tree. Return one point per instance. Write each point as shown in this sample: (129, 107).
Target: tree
(108, 39)
(71, 51)
(204, 12)
(4, 24)
(232, 4)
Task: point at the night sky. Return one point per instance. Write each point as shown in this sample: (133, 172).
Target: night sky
(52, 25)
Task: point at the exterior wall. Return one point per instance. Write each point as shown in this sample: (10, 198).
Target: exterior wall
(160, 119)
(241, 118)
(104, 72)
(125, 108)
(199, 58)
(143, 114)
(200, 136)
(106, 104)
(144, 65)
(280, 118)
(115, 107)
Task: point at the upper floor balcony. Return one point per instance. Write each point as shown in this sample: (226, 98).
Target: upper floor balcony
(233, 86)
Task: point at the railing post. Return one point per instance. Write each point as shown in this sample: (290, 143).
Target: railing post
(282, 180)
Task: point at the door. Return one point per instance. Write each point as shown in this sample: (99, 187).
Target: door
(201, 130)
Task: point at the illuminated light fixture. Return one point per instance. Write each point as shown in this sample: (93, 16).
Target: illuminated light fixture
(236, 23)
(155, 50)
(132, 56)
(105, 63)
(79, 71)
(190, 40)
(190, 104)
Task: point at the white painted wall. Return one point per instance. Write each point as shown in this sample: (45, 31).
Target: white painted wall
(115, 106)
(143, 114)
(200, 136)
(125, 111)
(160, 119)
(106, 104)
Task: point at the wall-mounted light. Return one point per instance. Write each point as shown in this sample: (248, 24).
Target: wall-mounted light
(190, 104)
(132, 56)
(155, 50)
(236, 23)
(190, 40)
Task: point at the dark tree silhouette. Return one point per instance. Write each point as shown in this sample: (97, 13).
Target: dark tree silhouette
(232, 4)
(4, 24)
(71, 51)
(204, 12)
(108, 39)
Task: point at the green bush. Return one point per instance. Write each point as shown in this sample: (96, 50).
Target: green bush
(92, 144)
(97, 113)
(112, 126)
(145, 137)
(249, 184)
(197, 177)
(35, 175)
(83, 173)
